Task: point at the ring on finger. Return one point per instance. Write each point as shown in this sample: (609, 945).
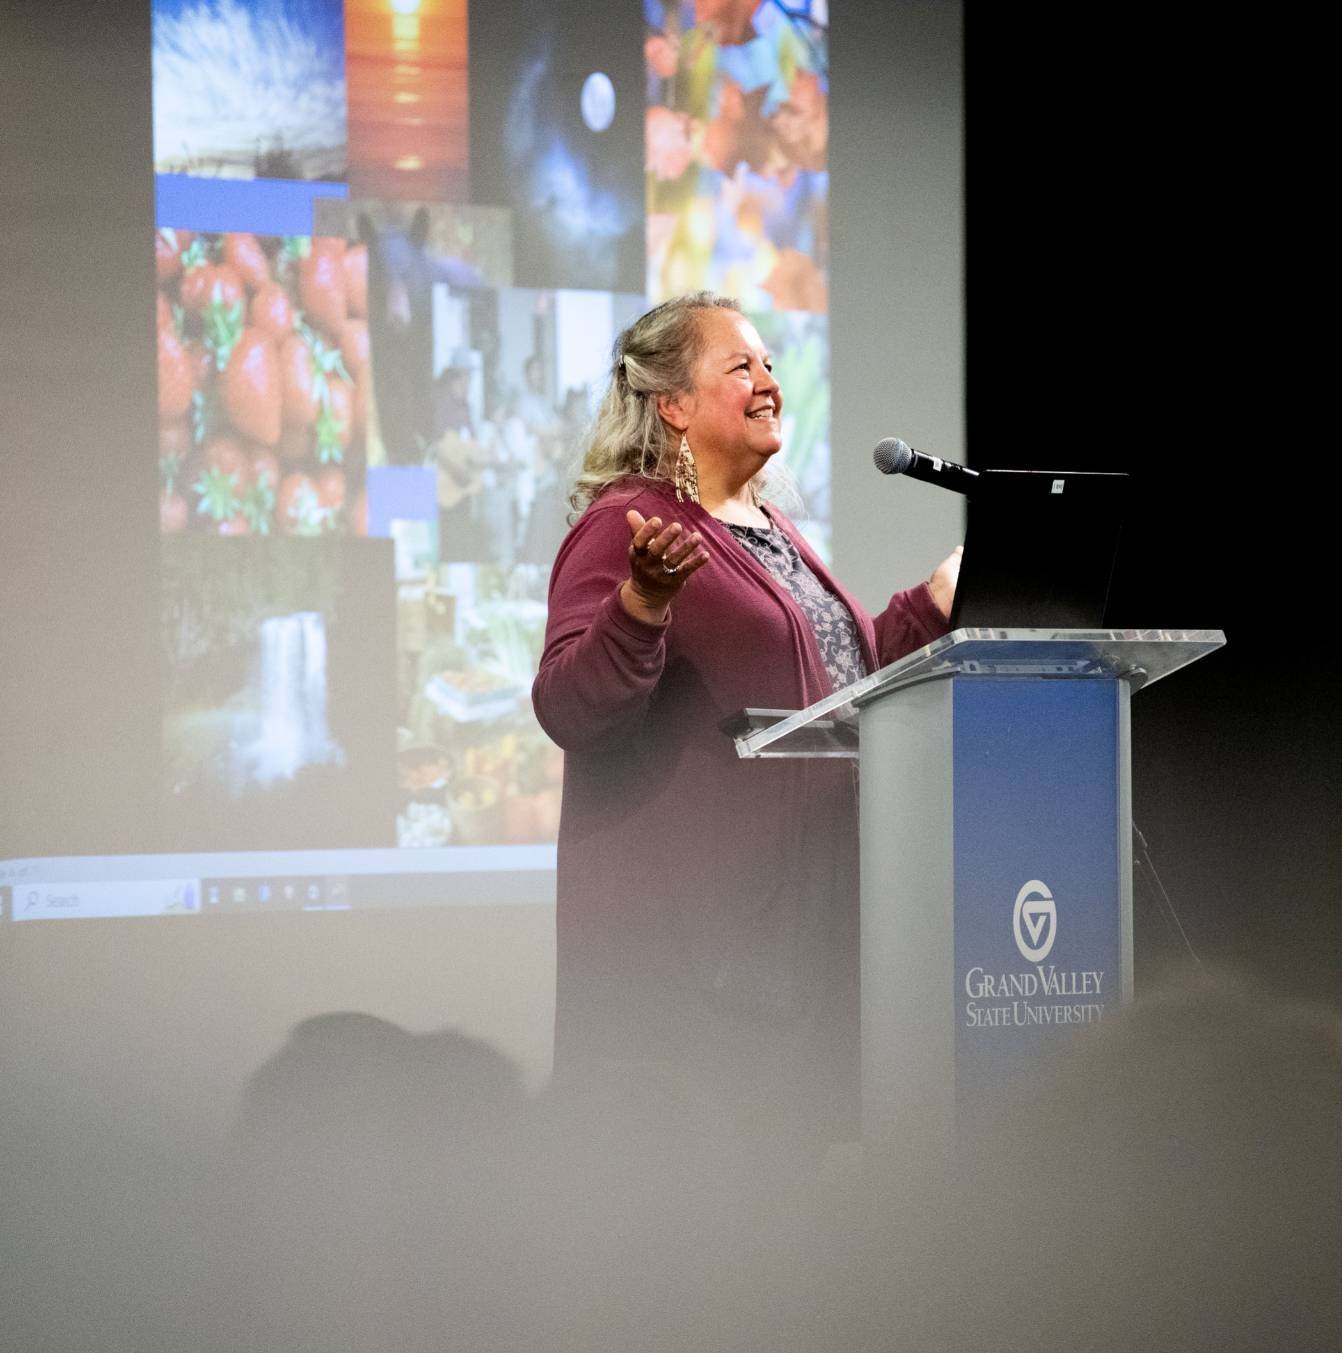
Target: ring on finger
(667, 568)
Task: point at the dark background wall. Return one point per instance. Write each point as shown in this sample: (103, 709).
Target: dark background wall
(1142, 263)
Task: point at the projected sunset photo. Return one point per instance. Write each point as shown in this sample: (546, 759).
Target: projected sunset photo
(407, 83)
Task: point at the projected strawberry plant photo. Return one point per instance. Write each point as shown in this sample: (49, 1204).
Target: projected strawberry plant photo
(263, 381)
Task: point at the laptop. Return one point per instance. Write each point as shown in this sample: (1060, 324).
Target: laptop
(1039, 549)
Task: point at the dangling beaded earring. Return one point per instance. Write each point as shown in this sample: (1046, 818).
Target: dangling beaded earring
(686, 477)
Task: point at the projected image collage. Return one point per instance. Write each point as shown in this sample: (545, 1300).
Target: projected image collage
(395, 241)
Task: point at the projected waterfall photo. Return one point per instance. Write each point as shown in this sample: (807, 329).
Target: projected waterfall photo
(271, 650)
(287, 731)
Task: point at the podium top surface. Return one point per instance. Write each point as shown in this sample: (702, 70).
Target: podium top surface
(1138, 657)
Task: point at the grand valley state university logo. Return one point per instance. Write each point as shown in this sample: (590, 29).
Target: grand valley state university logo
(1041, 994)
(1035, 921)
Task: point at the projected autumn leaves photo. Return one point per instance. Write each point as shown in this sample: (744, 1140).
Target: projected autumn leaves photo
(736, 153)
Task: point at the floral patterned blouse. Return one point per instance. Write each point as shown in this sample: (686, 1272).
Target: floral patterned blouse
(831, 620)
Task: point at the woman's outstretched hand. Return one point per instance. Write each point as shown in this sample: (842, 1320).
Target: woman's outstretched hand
(660, 560)
(943, 580)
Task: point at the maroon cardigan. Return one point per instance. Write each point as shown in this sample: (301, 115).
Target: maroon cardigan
(707, 906)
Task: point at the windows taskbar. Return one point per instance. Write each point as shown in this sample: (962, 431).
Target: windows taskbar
(90, 887)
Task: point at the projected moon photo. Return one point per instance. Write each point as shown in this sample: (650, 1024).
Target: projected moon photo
(556, 135)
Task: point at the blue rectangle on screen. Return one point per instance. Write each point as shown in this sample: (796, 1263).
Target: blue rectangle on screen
(261, 206)
(400, 493)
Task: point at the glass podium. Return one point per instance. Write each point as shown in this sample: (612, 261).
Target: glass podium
(996, 855)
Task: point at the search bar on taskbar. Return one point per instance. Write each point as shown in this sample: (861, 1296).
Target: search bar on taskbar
(81, 901)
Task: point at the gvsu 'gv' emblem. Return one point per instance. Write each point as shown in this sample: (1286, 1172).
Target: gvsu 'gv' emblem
(1035, 921)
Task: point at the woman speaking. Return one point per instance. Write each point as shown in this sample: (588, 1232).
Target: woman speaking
(707, 906)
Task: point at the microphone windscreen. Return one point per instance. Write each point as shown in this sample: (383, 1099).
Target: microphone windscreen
(892, 455)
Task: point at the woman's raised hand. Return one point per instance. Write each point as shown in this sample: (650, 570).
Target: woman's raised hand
(944, 579)
(660, 559)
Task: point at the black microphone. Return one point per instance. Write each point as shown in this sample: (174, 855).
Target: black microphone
(894, 456)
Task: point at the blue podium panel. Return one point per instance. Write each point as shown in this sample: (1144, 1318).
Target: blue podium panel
(1038, 888)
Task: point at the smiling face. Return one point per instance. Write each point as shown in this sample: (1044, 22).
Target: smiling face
(731, 416)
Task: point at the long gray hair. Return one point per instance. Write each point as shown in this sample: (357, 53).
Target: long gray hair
(654, 356)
